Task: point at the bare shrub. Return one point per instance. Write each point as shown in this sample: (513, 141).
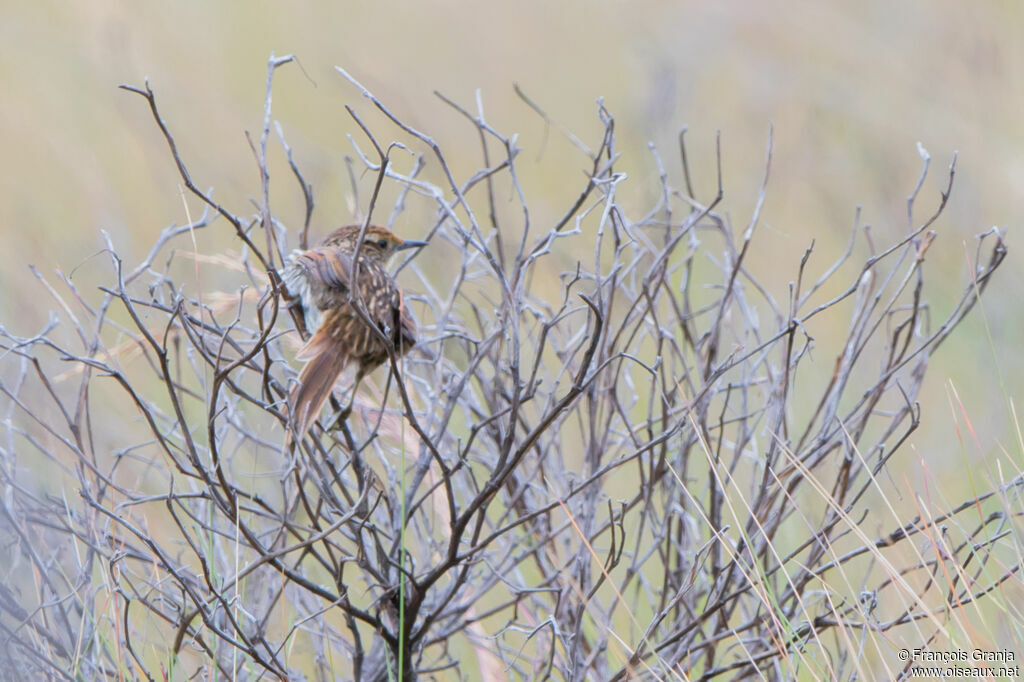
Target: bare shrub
(628, 468)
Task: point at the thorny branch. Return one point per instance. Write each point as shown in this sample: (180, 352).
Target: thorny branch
(593, 478)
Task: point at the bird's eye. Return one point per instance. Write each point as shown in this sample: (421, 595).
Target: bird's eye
(383, 243)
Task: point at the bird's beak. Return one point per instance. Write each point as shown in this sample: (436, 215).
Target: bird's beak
(409, 244)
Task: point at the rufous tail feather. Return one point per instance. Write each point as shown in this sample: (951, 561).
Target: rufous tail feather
(315, 383)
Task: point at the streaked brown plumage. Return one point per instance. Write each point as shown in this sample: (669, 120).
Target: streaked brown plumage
(321, 279)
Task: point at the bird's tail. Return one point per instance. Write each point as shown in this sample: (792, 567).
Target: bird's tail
(325, 362)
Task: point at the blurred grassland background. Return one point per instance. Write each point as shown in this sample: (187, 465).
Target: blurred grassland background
(850, 88)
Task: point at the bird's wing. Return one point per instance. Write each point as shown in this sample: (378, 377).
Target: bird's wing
(319, 277)
(386, 306)
(327, 266)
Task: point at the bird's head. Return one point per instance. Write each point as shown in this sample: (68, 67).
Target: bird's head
(378, 244)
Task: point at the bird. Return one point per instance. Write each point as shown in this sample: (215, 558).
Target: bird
(329, 281)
